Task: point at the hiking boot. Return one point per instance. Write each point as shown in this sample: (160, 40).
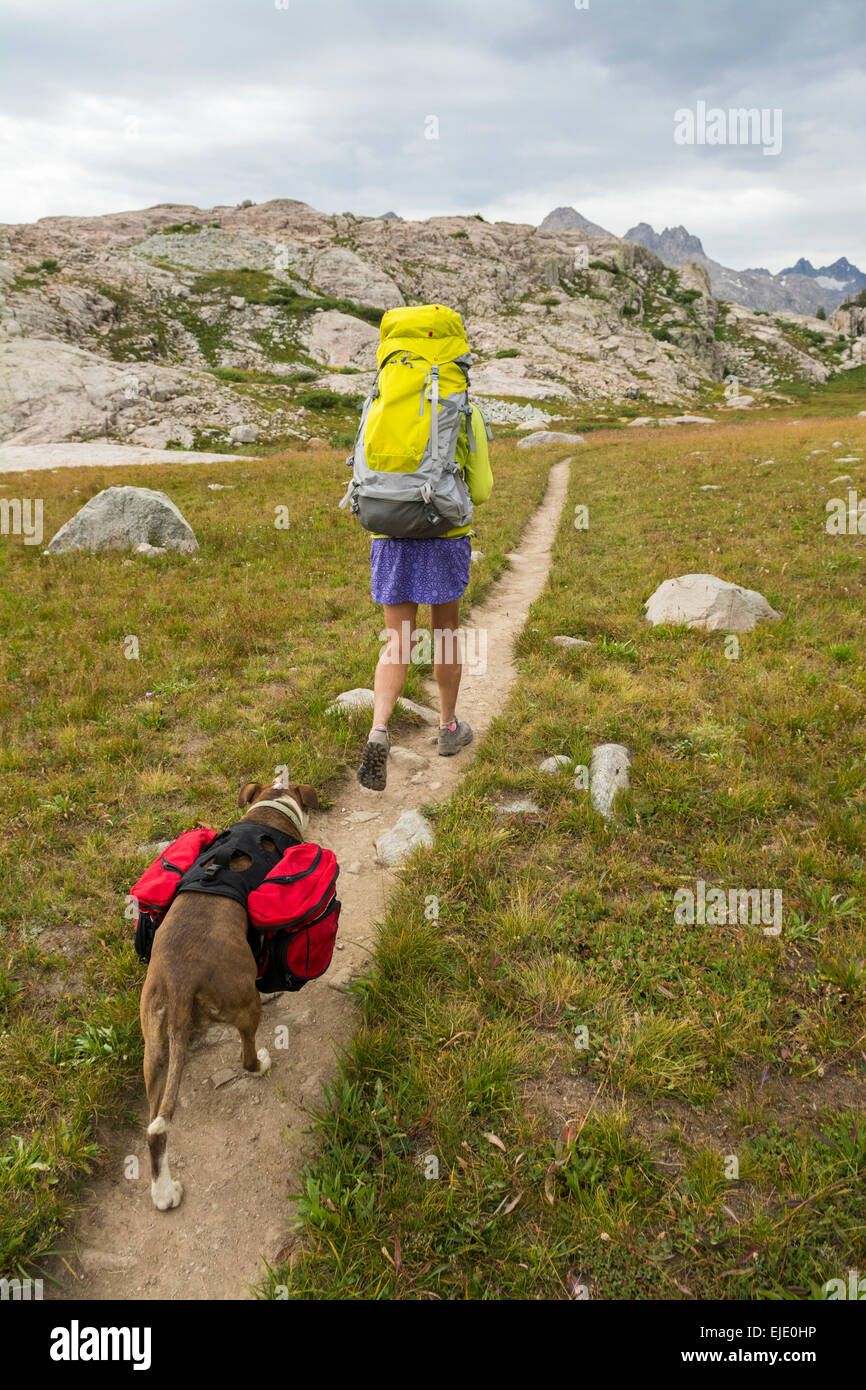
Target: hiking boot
(373, 772)
(452, 740)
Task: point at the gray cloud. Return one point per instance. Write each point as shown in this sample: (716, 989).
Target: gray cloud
(105, 106)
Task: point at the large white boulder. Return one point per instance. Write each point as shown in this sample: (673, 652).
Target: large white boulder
(704, 601)
(244, 434)
(124, 518)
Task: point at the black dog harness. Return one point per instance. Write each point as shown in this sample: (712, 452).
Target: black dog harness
(211, 872)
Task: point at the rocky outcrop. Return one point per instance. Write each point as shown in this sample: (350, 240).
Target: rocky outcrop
(849, 320)
(176, 325)
(52, 391)
(341, 272)
(674, 245)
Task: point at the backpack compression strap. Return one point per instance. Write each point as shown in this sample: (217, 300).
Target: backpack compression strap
(434, 413)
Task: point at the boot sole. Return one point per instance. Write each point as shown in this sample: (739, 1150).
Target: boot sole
(373, 772)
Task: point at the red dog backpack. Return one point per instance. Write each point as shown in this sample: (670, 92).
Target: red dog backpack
(289, 892)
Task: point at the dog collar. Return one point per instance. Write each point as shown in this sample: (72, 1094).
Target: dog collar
(293, 815)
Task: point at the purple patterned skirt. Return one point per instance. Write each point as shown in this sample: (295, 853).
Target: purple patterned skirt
(428, 571)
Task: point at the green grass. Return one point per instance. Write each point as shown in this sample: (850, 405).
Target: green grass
(295, 302)
(252, 285)
(33, 275)
(241, 649)
(329, 400)
(841, 396)
(554, 1085)
(246, 376)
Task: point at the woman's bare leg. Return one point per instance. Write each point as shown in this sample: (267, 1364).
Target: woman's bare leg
(393, 664)
(447, 666)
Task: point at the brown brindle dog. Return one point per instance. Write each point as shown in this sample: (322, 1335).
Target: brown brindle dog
(202, 969)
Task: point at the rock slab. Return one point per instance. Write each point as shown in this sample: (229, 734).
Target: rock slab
(540, 438)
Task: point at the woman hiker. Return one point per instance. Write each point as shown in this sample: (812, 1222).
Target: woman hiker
(423, 359)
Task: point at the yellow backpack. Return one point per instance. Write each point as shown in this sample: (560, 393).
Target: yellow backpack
(406, 482)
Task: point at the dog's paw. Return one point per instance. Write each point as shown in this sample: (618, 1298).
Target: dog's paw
(264, 1060)
(166, 1195)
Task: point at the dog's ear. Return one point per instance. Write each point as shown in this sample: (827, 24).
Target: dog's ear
(307, 796)
(247, 792)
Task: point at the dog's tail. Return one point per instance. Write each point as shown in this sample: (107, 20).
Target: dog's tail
(177, 1037)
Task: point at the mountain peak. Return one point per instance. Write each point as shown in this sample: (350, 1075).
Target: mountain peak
(570, 220)
(841, 277)
(673, 246)
(803, 267)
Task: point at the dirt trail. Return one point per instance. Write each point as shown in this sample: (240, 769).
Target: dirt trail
(238, 1142)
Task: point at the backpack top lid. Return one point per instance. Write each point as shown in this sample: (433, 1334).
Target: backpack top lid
(432, 331)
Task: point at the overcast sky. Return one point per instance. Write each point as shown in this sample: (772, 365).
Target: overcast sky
(113, 104)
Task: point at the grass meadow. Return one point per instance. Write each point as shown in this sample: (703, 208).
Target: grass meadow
(556, 1089)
